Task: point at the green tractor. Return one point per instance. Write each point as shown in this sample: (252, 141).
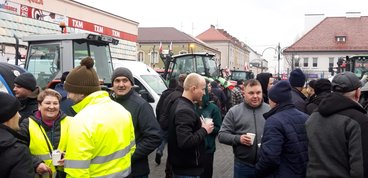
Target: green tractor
(200, 63)
(357, 64)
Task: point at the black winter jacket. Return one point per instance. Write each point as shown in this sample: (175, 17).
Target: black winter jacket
(299, 100)
(146, 129)
(315, 101)
(28, 105)
(186, 142)
(159, 108)
(338, 139)
(170, 99)
(15, 158)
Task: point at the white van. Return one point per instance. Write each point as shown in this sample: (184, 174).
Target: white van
(148, 83)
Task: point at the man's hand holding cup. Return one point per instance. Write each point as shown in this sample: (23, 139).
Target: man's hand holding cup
(207, 124)
(247, 139)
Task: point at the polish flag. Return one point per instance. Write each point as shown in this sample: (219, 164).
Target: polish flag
(246, 67)
(160, 49)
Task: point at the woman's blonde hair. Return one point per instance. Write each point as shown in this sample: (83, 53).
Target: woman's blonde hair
(48, 92)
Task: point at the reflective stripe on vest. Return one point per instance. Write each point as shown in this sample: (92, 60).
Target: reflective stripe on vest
(124, 173)
(38, 145)
(85, 164)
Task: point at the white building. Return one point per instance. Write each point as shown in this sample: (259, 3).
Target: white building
(330, 39)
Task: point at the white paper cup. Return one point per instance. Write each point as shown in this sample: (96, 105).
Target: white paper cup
(208, 120)
(56, 157)
(252, 136)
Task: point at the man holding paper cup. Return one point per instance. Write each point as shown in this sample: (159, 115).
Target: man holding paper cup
(242, 128)
(187, 131)
(284, 149)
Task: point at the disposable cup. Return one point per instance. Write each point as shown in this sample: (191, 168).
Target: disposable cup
(56, 157)
(252, 136)
(208, 120)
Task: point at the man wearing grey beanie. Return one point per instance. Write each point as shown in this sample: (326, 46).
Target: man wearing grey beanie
(146, 127)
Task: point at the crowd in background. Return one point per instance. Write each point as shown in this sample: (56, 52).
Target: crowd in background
(277, 128)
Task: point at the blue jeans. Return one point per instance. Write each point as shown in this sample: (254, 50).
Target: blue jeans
(242, 170)
(180, 176)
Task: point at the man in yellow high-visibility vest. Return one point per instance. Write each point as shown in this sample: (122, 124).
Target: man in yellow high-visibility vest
(101, 136)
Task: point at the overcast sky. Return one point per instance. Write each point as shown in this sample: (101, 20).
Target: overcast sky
(258, 23)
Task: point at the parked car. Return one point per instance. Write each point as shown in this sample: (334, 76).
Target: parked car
(8, 72)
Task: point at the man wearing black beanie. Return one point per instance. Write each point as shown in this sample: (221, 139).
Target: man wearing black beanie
(15, 158)
(297, 81)
(284, 148)
(26, 90)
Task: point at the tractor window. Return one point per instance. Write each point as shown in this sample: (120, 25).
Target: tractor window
(361, 67)
(200, 65)
(203, 65)
(100, 52)
(211, 67)
(184, 65)
(44, 62)
(238, 75)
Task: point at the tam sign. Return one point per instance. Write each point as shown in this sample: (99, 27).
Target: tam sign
(76, 23)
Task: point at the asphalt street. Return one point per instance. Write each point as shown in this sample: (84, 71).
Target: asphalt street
(223, 163)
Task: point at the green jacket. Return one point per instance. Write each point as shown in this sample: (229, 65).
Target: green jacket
(210, 110)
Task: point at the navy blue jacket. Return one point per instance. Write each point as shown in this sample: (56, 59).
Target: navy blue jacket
(284, 148)
(66, 103)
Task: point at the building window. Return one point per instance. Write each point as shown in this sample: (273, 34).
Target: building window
(154, 57)
(140, 56)
(305, 62)
(297, 61)
(340, 38)
(315, 62)
(331, 62)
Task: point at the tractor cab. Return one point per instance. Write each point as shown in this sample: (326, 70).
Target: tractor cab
(48, 56)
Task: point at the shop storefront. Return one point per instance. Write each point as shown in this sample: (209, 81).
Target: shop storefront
(26, 17)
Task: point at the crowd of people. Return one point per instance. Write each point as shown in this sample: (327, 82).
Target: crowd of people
(277, 128)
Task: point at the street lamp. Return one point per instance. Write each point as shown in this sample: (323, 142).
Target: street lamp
(278, 50)
(191, 46)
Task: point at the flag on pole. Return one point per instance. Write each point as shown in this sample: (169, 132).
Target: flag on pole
(160, 49)
(170, 47)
